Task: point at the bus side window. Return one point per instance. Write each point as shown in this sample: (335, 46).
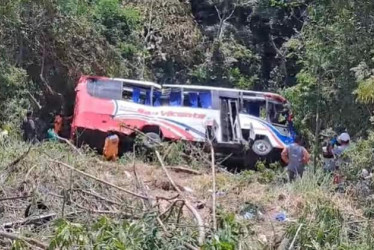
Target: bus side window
(136, 95)
(191, 99)
(127, 95)
(148, 98)
(106, 89)
(263, 113)
(157, 98)
(205, 99)
(175, 98)
(253, 108)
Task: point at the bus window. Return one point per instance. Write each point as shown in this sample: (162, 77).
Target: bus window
(191, 99)
(107, 89)
(156, 98)
(263, 112)
(198, 100)
(136, 95)
(205, 99)
(251, 108)
(277, 113)
(148, 99)
(175, 98)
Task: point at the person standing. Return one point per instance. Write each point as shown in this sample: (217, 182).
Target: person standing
(111, 144)
(338, 152)
(58, 123)
(296, 157)
(28, 128)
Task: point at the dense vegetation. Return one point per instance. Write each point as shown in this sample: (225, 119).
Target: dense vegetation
(319, 54)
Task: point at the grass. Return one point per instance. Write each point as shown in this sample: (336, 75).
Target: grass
(330, 220)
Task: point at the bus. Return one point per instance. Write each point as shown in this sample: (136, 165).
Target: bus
(230, 119)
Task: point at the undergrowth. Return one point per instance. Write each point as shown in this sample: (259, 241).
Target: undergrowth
(329, 220)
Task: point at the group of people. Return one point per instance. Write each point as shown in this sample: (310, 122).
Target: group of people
(297, 157)
(29, 128)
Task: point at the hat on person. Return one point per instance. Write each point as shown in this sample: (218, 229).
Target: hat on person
(344, 137)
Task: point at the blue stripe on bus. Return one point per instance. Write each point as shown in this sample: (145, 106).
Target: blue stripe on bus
(186, 126)
(285, 139)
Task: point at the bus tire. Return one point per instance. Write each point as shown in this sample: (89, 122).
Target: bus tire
(262, 147)
(151, 140)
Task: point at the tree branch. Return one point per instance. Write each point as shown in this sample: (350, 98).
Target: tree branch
(187, 203)
(30, 241)
(99, 180)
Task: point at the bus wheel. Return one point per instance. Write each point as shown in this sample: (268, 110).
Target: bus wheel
(151, 140)
(262, 147)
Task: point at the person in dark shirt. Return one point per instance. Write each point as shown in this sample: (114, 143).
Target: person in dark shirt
(296, 157)
(28, 128)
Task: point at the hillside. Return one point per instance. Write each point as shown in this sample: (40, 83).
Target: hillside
(318, 54)
(62, 198)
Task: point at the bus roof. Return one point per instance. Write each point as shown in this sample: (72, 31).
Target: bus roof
(137, 82)
(196, 87)
(249, 92)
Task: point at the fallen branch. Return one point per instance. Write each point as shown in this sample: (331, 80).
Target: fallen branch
(166, 198)
(294, 238)
(20, 158)
(191, 247)
(29, 221)
(213, 187)
(171, 207)
(15, 198)
(97, 196)
(30, 241)
(33, 220)
(69, 143)
(34, 100)
(167, 151)
(99, 180)
(187, 203)
(94, 211)
(185, 170)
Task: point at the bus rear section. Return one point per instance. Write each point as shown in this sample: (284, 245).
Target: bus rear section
(128, 106)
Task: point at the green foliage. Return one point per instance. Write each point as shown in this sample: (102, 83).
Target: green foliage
(118, 22)
(322, 227)
(12, 95)
(327, 56)
(359, 156)
(69, 235)
(228, 235)
(365, 91)
(19, 245)
(266, 173)
(106, 233)
(230, 64)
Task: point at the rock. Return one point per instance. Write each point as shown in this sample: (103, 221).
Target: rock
(263, 239)
(128, 175)
(200, 205)
(281, 197)
(188, 189)
(284, 244)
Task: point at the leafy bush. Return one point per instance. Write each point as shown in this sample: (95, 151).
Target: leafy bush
(227, 236)
(107, 233)
(359, 156)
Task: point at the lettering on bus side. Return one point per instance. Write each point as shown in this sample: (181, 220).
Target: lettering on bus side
(173, 114)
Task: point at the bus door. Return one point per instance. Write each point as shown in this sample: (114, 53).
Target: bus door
(230, 122)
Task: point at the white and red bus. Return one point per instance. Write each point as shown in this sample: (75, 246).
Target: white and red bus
(231, 118)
